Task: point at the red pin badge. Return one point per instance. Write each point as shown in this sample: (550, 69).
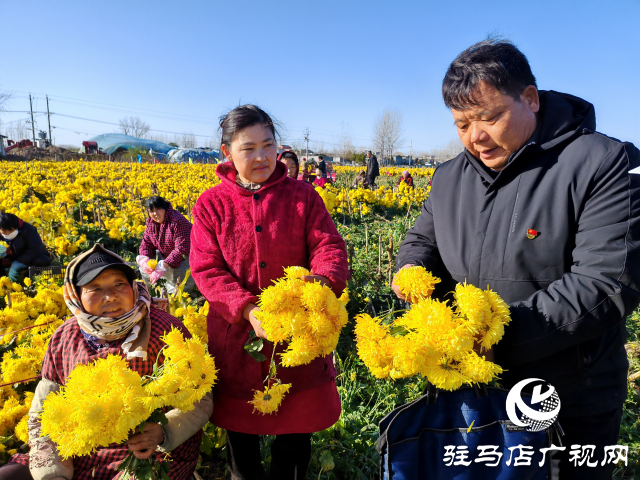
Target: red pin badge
(531, 233)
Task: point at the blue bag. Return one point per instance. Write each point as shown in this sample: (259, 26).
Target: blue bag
(425, 438)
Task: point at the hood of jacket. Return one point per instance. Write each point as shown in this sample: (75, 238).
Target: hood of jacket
(562, 117)
(227, 173)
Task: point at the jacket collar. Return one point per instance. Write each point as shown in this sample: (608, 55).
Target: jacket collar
(227, 173)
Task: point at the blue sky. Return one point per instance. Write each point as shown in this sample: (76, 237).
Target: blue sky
(322, 65)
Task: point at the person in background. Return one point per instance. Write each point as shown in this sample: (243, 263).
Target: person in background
(303, 165)
(100, 288)
(360, 180)
(290, 159)
(246, 230)
(24, 247)
(167, 238)
(321, 181)
(322, 166)
(373, 170)
(406, 178)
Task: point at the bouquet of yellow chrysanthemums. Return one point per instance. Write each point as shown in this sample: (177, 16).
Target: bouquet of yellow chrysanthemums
(80, 418)
(307, 316)
(434, 339)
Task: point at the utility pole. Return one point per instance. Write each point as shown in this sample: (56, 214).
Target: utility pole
(49, 120)
(33, 128)
(306, 137)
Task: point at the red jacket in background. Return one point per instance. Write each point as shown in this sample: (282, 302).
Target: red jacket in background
(408, 180)
(321, 182)
(241, 241)
(172, 237)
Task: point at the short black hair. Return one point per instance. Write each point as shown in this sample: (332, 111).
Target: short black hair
(153, 203)
(242, 117)
(496, 61)
(8, 221)
(320, 157)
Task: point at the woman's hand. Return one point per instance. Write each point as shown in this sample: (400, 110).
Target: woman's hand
(317, 278)
(255, 323)
(144, 444)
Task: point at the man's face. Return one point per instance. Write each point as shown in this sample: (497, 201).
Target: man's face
(498, 125)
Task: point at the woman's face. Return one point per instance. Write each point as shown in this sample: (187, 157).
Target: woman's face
(109, 295)
(292, 168)
(157, 214)
(253, 152)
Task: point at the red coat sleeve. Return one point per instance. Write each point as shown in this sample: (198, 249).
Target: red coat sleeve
(181, 231)
(210, 270)
(327, 250)
(147, 247)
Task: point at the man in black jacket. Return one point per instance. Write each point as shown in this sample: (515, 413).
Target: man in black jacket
(541, 208)
(373, 170)
(25, 246)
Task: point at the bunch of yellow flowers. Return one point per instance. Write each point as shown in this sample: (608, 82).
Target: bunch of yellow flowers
(433, 339)
(308, 316)
(80, 418)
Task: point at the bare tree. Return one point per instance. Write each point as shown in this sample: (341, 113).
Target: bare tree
(16, 130)
(215, 139)
(5, 97)
(134, 126)
(387, 131)
(318, 147)
(344, 145)
(188, 140)
(451, 150)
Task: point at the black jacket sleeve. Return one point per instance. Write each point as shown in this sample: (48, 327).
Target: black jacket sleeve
(602, 287)
(419, 246)
(32, 246)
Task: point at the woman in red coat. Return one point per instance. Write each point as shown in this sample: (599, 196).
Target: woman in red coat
(246, 231)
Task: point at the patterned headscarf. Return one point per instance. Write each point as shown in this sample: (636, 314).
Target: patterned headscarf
(135, 322)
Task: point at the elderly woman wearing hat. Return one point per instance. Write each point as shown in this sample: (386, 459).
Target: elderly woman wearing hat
(405, 178)
(112, 315)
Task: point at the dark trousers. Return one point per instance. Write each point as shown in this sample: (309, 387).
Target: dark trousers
(15, 471)
(290, 456)
(600, 430)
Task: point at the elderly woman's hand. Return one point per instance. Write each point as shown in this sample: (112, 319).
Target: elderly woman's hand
(144, 444)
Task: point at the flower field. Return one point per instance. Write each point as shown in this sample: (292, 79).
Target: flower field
(76, 204)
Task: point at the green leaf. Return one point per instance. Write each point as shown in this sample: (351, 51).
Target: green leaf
(326, 461)
(253, 346)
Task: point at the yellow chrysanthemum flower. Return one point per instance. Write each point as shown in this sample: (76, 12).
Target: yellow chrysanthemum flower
(269, 401)
(416, 283)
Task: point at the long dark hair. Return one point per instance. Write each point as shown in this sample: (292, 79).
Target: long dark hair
(242, 117)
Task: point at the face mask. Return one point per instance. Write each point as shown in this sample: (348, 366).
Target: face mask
(11, 236)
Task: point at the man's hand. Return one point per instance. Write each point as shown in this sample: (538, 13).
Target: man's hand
(488, 355)
(255, 323)
(317, 278)
(396, 288)
(144, 444)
